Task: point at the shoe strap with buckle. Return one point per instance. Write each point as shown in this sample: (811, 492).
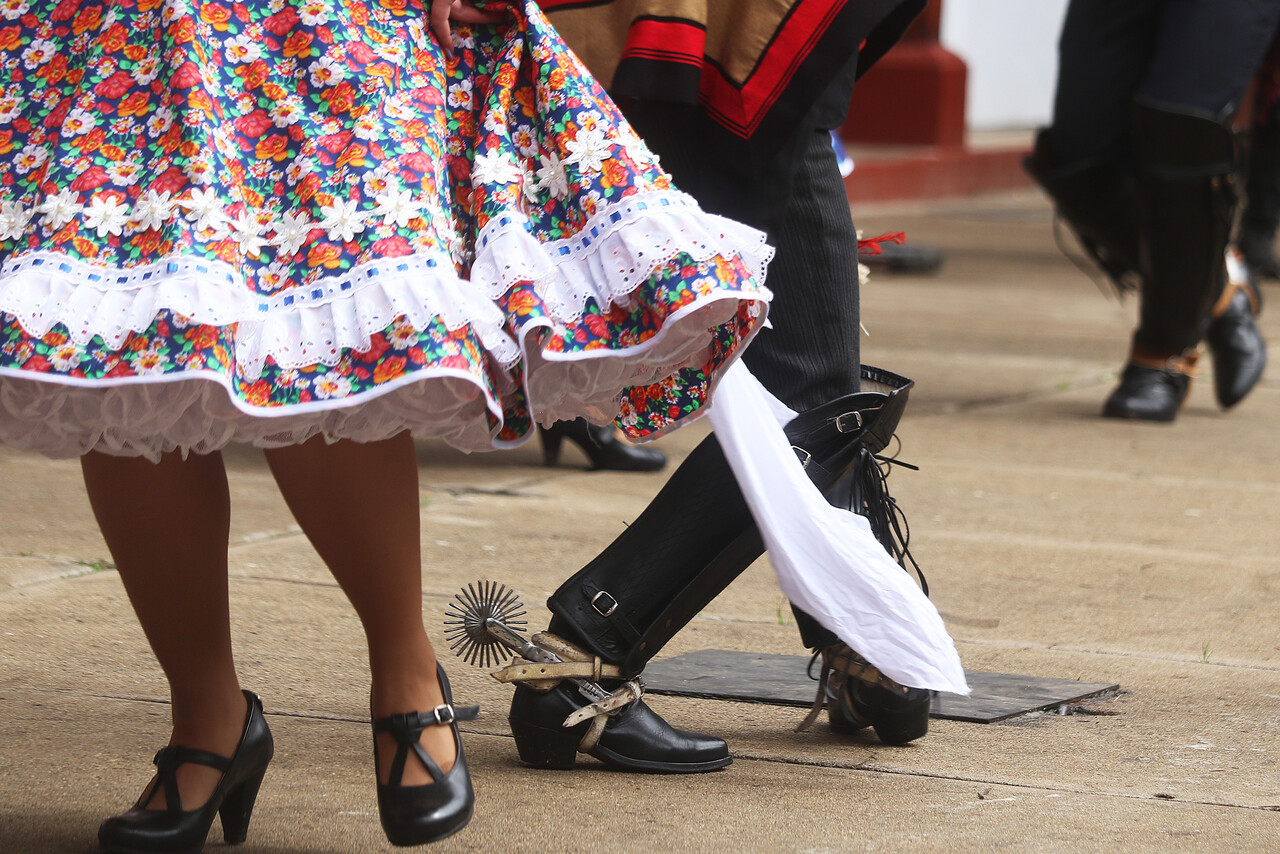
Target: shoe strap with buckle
(406, 728)
(167, 760)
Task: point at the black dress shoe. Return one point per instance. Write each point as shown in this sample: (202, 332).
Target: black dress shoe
(1148, 394)
(1239, 351)
(601, 445)
(415, 815)
(635, 738)
(174, 830)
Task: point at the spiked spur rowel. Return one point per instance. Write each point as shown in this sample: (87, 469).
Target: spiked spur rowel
(473, 614)
(483, 627)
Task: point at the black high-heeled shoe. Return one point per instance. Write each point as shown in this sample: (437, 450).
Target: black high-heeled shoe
(415, 815)
(602, 447)
(174, 830)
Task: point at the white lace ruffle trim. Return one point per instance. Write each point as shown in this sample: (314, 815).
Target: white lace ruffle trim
(614, 253)
(199, 412)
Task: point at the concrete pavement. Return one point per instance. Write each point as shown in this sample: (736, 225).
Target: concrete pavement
(1056, 543)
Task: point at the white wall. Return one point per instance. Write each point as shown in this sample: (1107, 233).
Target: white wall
(1011, 49)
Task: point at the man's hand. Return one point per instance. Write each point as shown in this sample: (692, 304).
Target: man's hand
(462, 11)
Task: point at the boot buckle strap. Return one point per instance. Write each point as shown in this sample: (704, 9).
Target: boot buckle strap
(842, 421)
(604, 603)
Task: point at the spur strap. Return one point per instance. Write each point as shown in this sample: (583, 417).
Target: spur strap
(839, 663)
(575, 664)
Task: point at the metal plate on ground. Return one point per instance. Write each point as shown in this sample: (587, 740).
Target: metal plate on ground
(754, 677)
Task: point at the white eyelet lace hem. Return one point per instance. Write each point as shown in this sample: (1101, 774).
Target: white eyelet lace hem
(615, 252)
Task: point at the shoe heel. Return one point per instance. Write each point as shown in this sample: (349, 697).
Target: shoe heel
(904, 729)
(237, 809)
(550, 447)
(903, 724)
(540, 747)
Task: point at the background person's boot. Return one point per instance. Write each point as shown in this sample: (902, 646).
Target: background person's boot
(1152, 387)
(1186, 203)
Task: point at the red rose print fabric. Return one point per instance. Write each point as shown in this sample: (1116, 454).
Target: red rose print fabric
(262, 221)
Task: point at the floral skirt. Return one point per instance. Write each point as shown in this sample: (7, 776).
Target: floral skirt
(262, 221)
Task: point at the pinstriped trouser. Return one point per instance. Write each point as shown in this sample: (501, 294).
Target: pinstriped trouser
(797, 196)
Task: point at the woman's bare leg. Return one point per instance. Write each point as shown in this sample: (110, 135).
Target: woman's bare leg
(166, 526)
(358, 504)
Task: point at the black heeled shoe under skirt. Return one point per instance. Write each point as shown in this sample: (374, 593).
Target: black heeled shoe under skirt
(601, 445)
(415, 815)
(173, 830)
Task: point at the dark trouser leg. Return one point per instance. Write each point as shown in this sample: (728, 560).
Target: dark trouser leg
(1188, 54)
(697, 535)
(1197, 55)
(1103, 56)
(1083, 162)
(1261, 216)
(1186, 202)
(811, 355)
(1186, 165)
(1204, 57)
